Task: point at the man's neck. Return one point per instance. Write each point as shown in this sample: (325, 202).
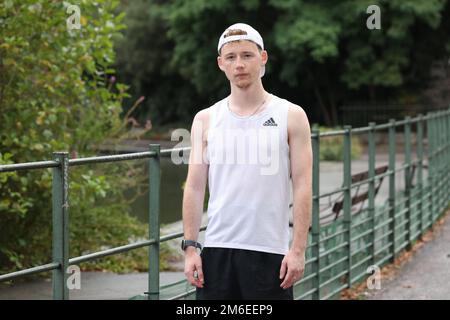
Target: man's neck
(247, 98)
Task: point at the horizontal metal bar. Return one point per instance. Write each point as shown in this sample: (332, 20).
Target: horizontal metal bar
(331, 133)
(176, 235)
(362, 249)
(307, 293)
(380, 213)
(415, 224)
(113, 158)
(426, 205)
(182, 295)
(383, 126)
(376, 127)
(416, 216)
(384, 235)
(330, 193)
(326, 253)
(415, 236)
(311, 245)
(383, 248)
(124, 248)
(333, 235)
(323, 284)
(362, 222)
(399, 213)
(359, 276)
(380, 263)
(331, 265)
(368, 180)
(112, 251)
(21, 273)
(28, 165)
(362, 235)
(401, 247)
(383, 224)
(167, 152)
(428, 224)
(308, 277)
(354, 253)
(399, 236)
(169, 285)
(309, 261)
(356, 265)
(403, 223)
(415, 205)
(335, 292)
(361, 130)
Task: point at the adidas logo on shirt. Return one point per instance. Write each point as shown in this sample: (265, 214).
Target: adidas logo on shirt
(270, 122)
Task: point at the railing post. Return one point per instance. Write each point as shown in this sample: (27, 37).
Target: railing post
(430, 167)
(420, 173)
(372, 187)
(442, 164)
(445, 157)
(408, 180)
(433, 167)
(438, 163)
(441, 160)
(391, 200)
(60, 220)
(315, 232)
(154, 176)
(447, 162)
(347, 198)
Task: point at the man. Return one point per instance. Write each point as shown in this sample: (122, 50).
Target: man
(246, 253)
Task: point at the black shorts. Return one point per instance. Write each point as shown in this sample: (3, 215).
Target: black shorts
(241, 274)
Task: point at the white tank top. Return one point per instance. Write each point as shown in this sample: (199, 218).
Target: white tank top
(249, 178)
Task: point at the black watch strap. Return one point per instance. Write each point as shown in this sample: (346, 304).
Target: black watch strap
(189, 243)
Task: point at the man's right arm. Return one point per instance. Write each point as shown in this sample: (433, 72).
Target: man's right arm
(194, 194)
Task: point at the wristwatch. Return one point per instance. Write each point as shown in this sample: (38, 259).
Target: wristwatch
(188, 243)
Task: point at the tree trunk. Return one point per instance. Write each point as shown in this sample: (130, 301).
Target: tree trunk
(325, 112)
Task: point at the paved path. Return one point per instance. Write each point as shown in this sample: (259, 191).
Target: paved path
(425, 276)
(94, 286)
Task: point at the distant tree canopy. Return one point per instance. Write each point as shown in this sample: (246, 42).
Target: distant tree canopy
(321, 54)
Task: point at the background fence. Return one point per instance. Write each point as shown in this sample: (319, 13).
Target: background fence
(339, 251)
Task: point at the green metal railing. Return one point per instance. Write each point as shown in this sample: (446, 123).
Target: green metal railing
(338, 253)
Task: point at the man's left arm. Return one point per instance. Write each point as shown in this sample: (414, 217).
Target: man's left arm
(299, 138)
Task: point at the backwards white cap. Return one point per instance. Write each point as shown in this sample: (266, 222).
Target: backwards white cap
(251, 35)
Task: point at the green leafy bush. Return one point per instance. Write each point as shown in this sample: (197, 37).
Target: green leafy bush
(57, 93)
(332, 148)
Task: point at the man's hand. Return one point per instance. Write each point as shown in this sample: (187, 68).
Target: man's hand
(292, 268)
(193, 267)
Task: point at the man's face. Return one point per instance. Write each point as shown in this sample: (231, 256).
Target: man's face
(242, 62)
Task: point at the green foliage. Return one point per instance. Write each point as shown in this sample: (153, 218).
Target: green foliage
(320, 53)
(143, 60)
(56, 94)
(332, 148)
